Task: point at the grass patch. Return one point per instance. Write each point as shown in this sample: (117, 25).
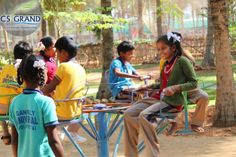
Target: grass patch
(138, 66)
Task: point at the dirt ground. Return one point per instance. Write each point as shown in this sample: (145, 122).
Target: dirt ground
(215, 142)
(171, 146)
(177, 146)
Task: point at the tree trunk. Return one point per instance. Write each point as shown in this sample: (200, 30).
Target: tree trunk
(159, 19)
(51, 27)
(203, 26)
(197, 22)
(226, 92)
(44, 28)
(108, 55)
(6, 39)
(193, 18)
(149, 18)
(208, 60)
(123, 11)
(1, 32)
(173, 24)
(140, 18)
(13, 41)
(182, 24)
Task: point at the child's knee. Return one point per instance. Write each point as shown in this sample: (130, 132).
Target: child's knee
(128, 114)
(204, 97)
(143, 116)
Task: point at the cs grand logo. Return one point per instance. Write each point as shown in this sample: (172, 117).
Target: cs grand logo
(20, 18)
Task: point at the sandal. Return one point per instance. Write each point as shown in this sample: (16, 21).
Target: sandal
(6, 139)
(197, 129)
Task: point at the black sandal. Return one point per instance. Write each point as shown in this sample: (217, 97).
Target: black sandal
(6, 139)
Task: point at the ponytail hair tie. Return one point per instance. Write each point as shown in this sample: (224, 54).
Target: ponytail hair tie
(17, 63)
(174, 36)
(40, 47)
(40, 64)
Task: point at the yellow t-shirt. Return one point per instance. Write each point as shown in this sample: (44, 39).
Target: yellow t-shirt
(8, 75)
(73, 79)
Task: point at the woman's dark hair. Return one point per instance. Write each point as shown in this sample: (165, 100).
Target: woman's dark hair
(68, 44)
(26, 71)
(21, 49)
(172, 42)
(47, 42)
(124, 47)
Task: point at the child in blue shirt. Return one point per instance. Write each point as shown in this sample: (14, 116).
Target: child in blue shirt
(33, 115)
(121, 71)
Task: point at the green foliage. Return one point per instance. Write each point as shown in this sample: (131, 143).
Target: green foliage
(6, 58)
(136, 42)
(143, 41)
(27, 6)
(169, 8)
(102, 9)
(77, 2)
(232, 7)
(70, 11)
(232, 31)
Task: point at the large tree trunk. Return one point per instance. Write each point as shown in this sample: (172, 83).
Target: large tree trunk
(159, 20)
(208, 60)
(51, 27)
(44, 28)
(53, 5)
(140, 18)
(226, 92)
(107, 50)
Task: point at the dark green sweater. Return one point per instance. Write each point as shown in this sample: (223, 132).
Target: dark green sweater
(183, 74)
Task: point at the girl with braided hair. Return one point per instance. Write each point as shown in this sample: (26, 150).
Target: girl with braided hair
(33, 115)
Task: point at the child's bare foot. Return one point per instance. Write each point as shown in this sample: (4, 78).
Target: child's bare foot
(172, 129)
(6, 139)
(197, 129)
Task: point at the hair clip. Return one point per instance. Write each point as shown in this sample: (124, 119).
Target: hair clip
(40, 47)
(174, 36)
(40, 64)
(17, 63)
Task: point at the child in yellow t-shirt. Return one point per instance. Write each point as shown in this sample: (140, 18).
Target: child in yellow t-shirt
(9, 86)
(68, 82)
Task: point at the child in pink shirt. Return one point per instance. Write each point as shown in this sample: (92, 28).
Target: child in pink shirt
(47, 53)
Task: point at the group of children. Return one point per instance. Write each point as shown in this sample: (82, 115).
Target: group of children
(34, 116)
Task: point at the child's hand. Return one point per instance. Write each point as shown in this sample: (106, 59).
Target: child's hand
(140, 77)
(151, 75)
(169, 91)
(142, 88)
